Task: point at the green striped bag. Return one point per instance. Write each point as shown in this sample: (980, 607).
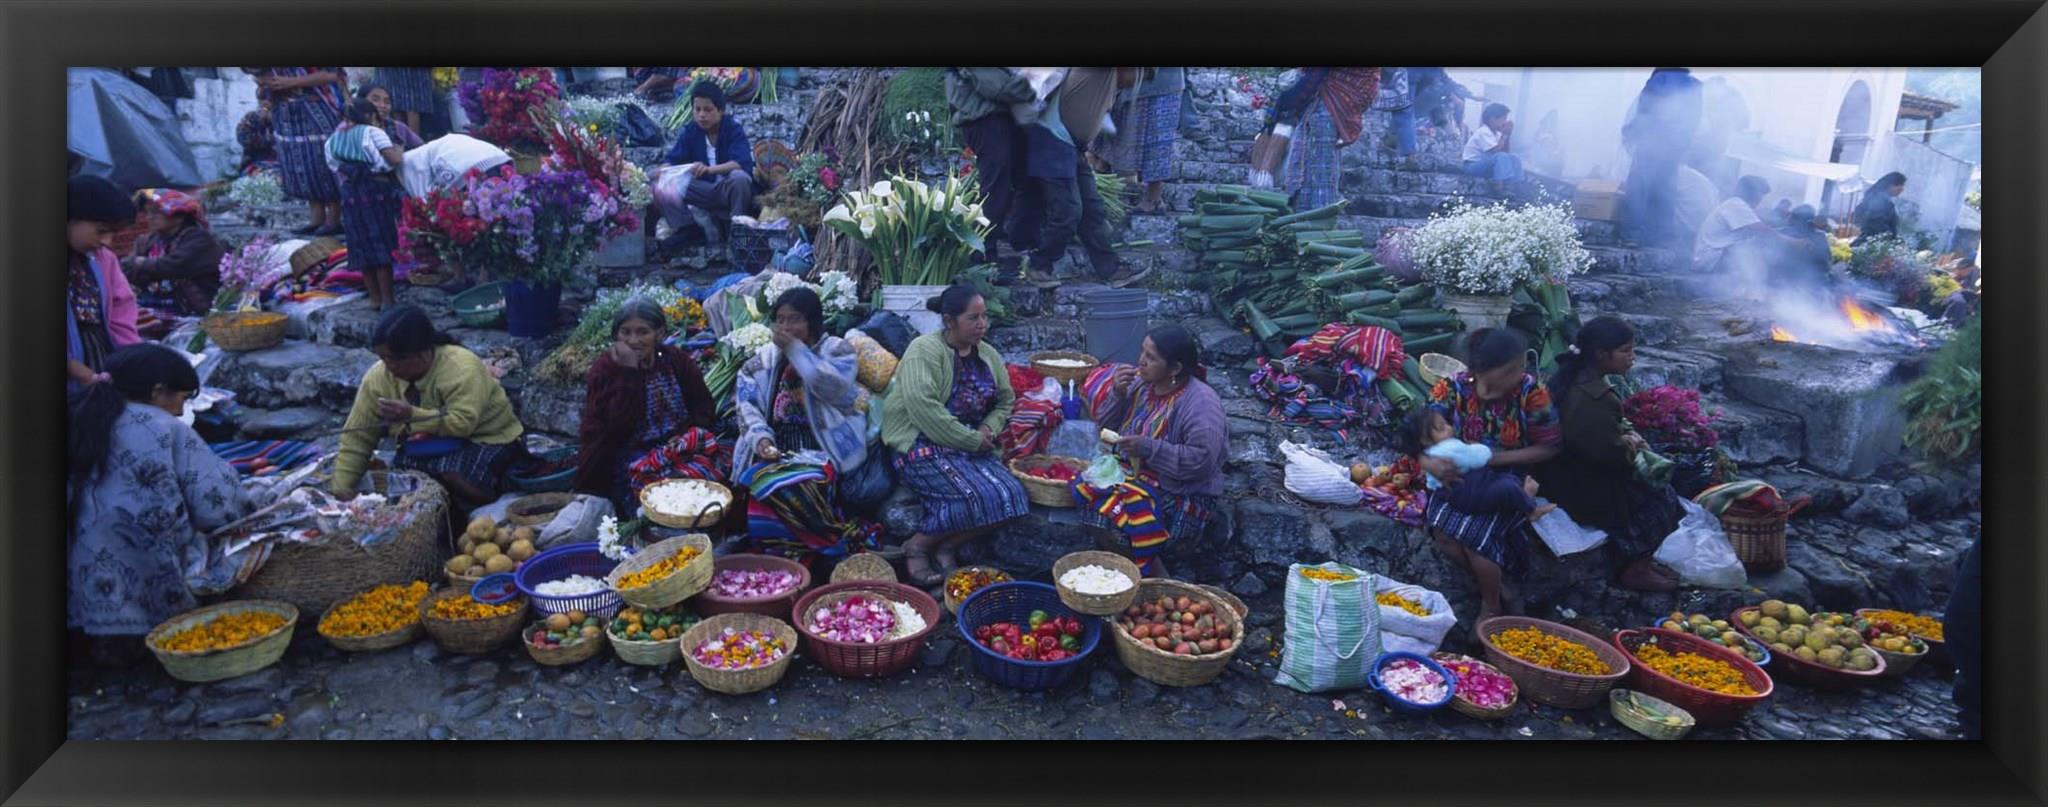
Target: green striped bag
(1333, 630)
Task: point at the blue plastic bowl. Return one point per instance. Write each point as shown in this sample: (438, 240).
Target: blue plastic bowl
(561, 562)
(1014, 602)
(1404, 706)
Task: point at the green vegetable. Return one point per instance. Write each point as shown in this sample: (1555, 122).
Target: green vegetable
(1413, 295)
(1262, 327)
(1363, 299)
(1424, 318)
(1343, 276)
(1412, 370)
(1325, 212)
(1331, 250)
(1400, 395)
(1356, 318)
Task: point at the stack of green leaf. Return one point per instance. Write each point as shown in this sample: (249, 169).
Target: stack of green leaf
(1543, 313)
(1284, 275)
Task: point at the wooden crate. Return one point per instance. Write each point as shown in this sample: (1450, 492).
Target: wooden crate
(1597, 199)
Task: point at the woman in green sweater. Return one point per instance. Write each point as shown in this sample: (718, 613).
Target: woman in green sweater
(950, 397)
(428, 387)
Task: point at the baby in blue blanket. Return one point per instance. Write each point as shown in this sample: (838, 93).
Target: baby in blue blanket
(1479, 489)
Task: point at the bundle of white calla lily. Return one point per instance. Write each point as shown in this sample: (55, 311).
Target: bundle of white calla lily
(919, 234)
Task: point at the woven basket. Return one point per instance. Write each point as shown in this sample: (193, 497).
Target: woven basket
(1619, 703)
(567, 654)
(243, 331)
(470, 636)
(678, 585)
(1473, 710)
(429, 278)
(1896, 665)
(1064, 374)
(1790, 668)
(1164, 668)
(370, 644)
(1710, 708)
(688, 521)
(857, 660)
(953, 603)
(536, 510)
(739, 682)
(229, 662)
(1551, 687)
(710, 604)
(1097, 604)
(1045, 491)
(1759, 541)
(647, 654)
(866, 567)
(315, 576)
(315, 251)
(1437, 366)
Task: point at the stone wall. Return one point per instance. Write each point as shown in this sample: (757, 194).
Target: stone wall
(208, 119)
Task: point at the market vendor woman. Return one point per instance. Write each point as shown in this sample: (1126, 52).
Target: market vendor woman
(1594, 479)
(1500, 404)
(950, 397)
(177, 264)
(799, 395)
(647, 413)
(1170, 426)
(427, 386)
(144, 493)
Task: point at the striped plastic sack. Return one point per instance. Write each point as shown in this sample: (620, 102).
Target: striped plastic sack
(1332, 629)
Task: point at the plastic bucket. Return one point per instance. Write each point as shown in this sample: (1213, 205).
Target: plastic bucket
(1115, 324)
(908, 302)
(531, 310)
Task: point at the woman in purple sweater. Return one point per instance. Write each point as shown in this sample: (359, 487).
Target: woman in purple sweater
(1173, 438)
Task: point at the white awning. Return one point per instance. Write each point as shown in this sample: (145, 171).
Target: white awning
(1752, 150)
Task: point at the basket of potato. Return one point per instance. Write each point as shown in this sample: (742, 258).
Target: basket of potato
(1809, 647)
(489, 547)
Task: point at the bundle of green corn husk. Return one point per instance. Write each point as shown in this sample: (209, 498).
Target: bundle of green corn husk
(1284, 275)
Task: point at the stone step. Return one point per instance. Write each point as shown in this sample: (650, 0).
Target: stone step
(1651, 330)
(1681, 366)
(294, 374)
(1847, 400)
(1756, 435)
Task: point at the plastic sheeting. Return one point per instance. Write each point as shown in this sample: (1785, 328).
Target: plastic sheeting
(125, 133)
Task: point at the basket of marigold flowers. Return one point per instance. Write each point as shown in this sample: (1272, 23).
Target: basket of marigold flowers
(1715, 684)
(462, 625)
(223, 641)
(1554, 665)
(379, 619)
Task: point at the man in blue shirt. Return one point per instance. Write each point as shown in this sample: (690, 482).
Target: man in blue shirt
(722, 179)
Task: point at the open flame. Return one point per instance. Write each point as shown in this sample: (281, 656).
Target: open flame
(1862, 319)
(1779, 334)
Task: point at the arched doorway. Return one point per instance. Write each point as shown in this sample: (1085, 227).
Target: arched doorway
(1852, 140)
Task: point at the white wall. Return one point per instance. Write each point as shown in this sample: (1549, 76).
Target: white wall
(1935, 183)
(208, 119)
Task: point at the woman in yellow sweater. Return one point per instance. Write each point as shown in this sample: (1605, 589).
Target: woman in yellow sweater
(451, 415)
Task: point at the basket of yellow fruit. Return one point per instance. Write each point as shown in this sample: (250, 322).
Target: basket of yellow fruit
(1895, 635)
(489, 547)
(650, 637)
(1816, 649)
(224, 641)
(1718, 631)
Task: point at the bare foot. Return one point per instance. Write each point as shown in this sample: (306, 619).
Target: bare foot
(918, 562)
(1647, 575)
(1529, 485)
(1541, 511)
(949, 558)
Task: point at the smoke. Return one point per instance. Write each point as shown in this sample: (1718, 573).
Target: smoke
(1810, 309)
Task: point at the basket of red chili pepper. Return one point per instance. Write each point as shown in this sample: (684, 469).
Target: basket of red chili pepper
(1048, 480)
(1024, 637)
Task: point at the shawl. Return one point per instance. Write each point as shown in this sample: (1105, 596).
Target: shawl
(831, 398)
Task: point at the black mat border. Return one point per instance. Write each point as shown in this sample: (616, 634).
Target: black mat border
(37, 39)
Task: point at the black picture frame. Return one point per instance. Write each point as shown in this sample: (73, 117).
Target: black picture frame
(2009, 38)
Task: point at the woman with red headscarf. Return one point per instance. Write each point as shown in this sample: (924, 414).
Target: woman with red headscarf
(176, 265)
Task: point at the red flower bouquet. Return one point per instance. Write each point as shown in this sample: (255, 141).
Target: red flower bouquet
(501, 101)
(1671, 416)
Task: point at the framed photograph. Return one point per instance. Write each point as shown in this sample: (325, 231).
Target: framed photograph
(1109, 418)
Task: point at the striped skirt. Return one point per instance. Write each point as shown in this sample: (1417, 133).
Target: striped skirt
(1148, 517)
(370, 209)
(960, 491)
(792, 513)
(481, 465)
(303, 125)
(1158, 132)
(412, 88)
(1499, 537)
(1312, 167)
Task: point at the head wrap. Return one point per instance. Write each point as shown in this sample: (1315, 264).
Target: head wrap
(172, 204)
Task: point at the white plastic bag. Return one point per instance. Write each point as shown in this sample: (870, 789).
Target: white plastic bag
(1105, 472)
(670, 186)
(1048, 392)
(1312, 475)
(575, 523)
(1564, 536)
(1699, 552)
(1403, 632)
